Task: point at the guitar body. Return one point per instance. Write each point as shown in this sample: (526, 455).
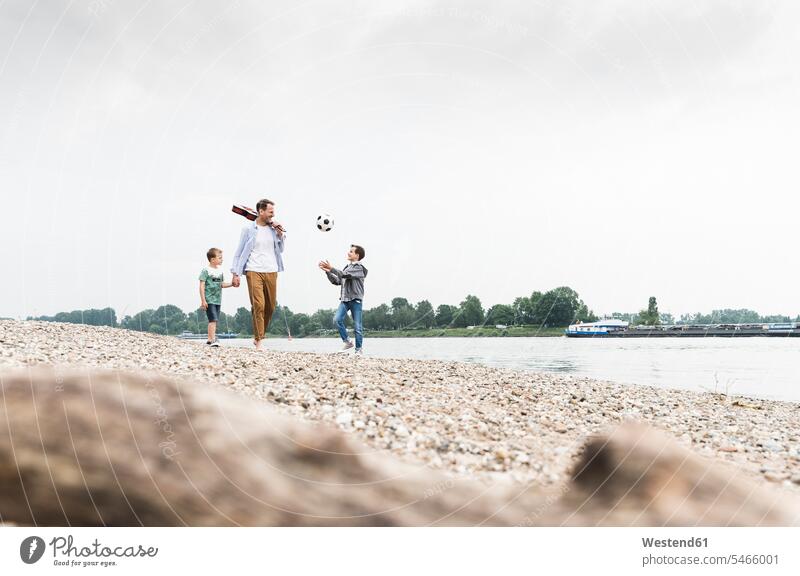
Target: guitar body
(248, 213)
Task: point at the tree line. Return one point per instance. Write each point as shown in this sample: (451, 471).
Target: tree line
(557, 307)
(651, 316)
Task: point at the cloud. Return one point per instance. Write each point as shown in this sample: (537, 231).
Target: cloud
(521, 145)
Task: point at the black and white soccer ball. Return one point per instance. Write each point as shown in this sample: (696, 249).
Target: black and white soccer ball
(324, 222)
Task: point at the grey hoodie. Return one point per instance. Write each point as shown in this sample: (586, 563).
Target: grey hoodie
(351, 278)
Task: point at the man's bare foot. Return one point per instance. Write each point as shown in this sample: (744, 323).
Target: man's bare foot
(258, 344)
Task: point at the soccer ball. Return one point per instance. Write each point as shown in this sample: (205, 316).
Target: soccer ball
(325, 222)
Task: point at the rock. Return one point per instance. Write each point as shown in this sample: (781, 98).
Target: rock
(344, 418)
(636, 472)
(771, 445)
(774, 476)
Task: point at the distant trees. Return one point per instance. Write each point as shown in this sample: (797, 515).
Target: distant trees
(144, 321)
(523, 310)
(167, 319)
(299, 324)
(279, 323)
(172, 318)
(445, 315)
(557, 307)
(377, 318)
(500, 314)
(91, 317)
(650, 316)
(402, 313)
(242, 322)
(666, 318)
(723, 316)
(320, 321)
(425, 317)
(625, 317)
(561, 307)
(731, 316)
(471, 311)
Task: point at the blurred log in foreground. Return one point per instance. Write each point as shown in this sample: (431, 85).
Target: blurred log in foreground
(104, 448)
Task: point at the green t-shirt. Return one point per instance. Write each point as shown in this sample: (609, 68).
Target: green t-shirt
(213, 277)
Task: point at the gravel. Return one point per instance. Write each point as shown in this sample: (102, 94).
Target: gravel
(465, 419)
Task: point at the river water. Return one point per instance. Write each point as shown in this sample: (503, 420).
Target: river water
(759, 367)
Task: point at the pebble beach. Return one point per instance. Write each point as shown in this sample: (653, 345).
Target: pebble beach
(463, 419)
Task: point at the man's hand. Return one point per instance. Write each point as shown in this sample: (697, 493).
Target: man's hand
(235, 281)
(325, 265)
(278, 228)
(204, 305)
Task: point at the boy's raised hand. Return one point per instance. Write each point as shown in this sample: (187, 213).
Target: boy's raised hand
(325, 265)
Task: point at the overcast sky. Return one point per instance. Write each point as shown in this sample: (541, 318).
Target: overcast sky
(623, 148)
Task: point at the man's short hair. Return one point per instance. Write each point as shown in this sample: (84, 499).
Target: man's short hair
(263, 203)
(212, 252)
(359, 250)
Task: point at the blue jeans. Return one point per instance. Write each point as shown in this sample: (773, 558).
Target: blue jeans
(354, 307)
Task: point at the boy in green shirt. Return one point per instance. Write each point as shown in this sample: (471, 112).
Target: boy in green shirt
(212, 281)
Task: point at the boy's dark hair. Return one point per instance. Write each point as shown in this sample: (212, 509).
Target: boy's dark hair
(262, 204)
(212, 252)
(359, 250)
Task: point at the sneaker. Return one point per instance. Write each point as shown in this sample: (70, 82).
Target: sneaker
(215, 343)
(208, 342)
(359, 352)
(346, 346)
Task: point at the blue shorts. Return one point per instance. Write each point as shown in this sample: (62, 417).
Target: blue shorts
(212, 312)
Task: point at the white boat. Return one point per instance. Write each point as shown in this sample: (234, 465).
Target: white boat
(599, 328)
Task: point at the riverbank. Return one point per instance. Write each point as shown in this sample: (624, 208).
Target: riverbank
(465, 419)
(476, 332)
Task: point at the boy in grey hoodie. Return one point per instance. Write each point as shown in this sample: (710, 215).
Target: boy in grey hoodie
(351, 279)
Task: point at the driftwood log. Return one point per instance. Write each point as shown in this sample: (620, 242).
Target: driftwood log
(104, 448)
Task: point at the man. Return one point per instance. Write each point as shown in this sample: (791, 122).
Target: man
(259, 257)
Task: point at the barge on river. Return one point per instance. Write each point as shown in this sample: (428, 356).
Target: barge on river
(187, 335)
(620, 329)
